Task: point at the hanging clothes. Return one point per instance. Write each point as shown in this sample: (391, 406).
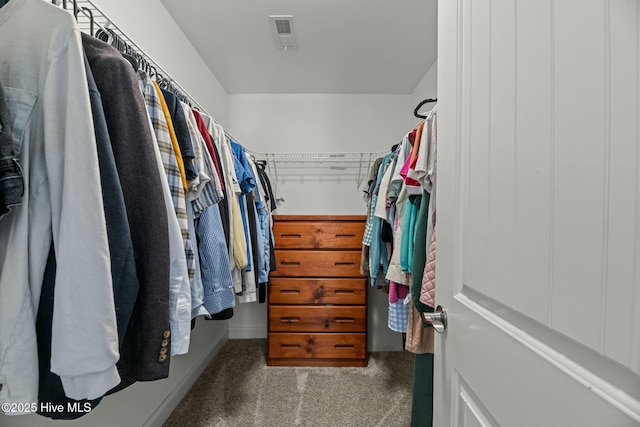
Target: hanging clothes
(415, 138)
(378, 252)
(428, 291)
(395, 272)
(420, 254)
(179, 194)
(425, 173)
(123, 235)
(209, 190)
(58, 124)
(412, 209)
(216, 271)
(126, 117)
(123, 270)
(180, 293)
(181, 132)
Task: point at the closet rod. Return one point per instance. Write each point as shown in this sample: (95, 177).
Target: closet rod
(89, 15)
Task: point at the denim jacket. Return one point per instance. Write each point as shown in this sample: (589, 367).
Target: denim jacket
(11, 182)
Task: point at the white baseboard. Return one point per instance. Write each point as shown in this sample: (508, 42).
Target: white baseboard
(164, 410)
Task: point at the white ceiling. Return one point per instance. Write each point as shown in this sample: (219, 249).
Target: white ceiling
(345, 46)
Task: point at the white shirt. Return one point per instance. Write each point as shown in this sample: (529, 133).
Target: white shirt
(41, 64)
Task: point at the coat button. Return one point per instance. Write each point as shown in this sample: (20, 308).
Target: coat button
(164, 343)
(163, 350)
(162, 358)
(166, 334)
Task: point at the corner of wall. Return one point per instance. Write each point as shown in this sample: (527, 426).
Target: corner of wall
(428, 86)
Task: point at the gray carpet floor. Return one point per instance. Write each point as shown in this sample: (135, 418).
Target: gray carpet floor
(238, 389)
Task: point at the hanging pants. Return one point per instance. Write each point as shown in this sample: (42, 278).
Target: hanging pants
(422, 406)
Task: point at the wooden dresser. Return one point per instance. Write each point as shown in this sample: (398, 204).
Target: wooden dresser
(317, 297)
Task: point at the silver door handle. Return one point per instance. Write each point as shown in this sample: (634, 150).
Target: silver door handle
(438, 319)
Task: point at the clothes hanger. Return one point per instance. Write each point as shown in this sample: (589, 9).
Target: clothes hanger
(102, 35)
(88, 12)
(417, 109)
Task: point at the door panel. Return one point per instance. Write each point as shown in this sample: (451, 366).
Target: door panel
(533, 169)
(579, 168)
(622, 262)
(468, 409)
(539, 213)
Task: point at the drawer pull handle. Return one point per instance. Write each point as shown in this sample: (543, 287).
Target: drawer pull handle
(345, 320)
(292, 319)
(289, 263)
(291, 236)
(344, 346)
(289, 345)
(346, 235)
(344, 291)
(344, 264)
(289, 291)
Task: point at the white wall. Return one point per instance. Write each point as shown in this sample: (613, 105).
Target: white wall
(320, 123)
(427, 88)
(149, 25)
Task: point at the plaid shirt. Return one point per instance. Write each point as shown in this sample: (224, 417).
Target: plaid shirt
(398, 316)
(368, 229)
(169, 160)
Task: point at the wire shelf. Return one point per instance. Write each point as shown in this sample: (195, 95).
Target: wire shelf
(318, 160)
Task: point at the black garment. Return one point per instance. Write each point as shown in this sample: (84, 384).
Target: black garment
(123, 267)
(226, 224)
(132, 60)
(266, 185)
(182, 134)
(133, 150)
(225, 215)
(225, 314)
(50, 388)
(11, 181)
(271, 199)
(386, 235)
(253, 233)
(262, 293)
(272, 254)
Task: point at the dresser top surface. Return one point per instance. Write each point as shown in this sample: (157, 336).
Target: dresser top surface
(319, 217)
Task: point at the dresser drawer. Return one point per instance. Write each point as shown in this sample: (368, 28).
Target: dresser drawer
(317, 319)
(318, 235)
(317, 346)
(301, 263)
(317, 291)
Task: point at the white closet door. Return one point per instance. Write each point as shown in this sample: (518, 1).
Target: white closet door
(538, 258)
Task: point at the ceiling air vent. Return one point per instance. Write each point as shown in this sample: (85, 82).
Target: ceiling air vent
(283, 27)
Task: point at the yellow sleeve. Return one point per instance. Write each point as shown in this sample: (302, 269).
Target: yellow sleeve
(239, 242)
(174, 139)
